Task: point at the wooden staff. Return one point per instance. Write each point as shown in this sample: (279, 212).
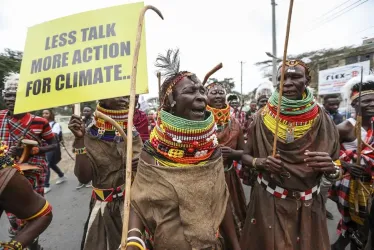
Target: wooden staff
(210, 73)
(359, 139)
(130, 123)
(282, 78)
(159, 86)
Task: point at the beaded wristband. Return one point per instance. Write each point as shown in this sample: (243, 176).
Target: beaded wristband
(79, 151)
(11, 245)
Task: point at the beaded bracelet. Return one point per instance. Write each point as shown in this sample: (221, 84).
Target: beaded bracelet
(79, 151)
(11, 245)
(135, 244)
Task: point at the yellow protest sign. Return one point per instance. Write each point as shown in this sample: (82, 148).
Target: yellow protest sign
(79, 58)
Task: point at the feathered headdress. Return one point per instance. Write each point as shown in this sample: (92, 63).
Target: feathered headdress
(264, 89)
(169, 68)
(168, 64)
(11, 82)
(350, 91)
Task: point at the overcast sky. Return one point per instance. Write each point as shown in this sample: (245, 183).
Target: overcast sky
(212, 31)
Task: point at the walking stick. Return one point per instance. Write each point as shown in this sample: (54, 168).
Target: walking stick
(159, 86)
(128, 137)
(282, 78)
(130, 123)
(210, 73)
(359, 139)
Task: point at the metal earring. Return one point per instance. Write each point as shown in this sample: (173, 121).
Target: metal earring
(173, 104)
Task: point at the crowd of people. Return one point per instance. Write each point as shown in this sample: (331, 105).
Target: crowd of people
(190, 161)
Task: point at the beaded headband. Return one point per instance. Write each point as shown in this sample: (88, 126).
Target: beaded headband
(174, 82)
(293, 63)
(350, 91)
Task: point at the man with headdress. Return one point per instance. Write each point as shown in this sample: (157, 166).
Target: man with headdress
(263, 93)
(354, 189)
(286, 211)
(15, 128)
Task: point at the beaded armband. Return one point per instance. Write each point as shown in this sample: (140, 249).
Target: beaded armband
(79, 151)
(11, 245)
(47, 208)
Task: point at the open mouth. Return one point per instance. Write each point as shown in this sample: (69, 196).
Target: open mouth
(198, 111)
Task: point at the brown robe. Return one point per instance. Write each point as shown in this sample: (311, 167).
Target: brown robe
(229, 137)
(288, 224)
(182, 207)
(103, 229)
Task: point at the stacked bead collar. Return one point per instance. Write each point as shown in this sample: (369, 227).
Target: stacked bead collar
(182, 141)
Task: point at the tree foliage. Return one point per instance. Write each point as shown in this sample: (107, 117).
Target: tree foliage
(10, 60)
(227, 83)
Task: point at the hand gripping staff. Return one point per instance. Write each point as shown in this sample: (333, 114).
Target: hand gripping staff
(128, 138)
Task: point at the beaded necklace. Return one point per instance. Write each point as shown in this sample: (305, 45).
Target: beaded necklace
(296, 116)
(104, 130)
(180, 142)
(221, 116)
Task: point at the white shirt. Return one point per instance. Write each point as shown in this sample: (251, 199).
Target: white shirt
(56, 128)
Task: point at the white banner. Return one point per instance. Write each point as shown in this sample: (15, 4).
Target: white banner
(331, 80)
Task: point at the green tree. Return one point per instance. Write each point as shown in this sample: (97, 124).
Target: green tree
(10, 60)
(227, 83)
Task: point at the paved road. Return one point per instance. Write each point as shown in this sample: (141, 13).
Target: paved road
(70, 208)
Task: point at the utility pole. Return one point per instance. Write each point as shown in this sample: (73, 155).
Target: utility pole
(241, 79)
(274, 77)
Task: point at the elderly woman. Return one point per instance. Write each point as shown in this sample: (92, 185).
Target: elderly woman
(179, 193)
(101, 159)
(231, 139)
(18, 197)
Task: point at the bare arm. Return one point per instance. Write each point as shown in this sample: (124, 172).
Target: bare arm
(83, 165)
(19, 198)
(52, 145)
(346, 132)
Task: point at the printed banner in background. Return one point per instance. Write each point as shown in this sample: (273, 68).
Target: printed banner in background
(331, 80)
(80, 58)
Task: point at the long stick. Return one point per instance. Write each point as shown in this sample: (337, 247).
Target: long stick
(359, 138)
(282, 78)
(210, 73)
(130, 123)
(159, 86)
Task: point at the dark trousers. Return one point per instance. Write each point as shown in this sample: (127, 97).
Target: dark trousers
(52, 165)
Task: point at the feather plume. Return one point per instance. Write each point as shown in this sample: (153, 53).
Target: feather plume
(367, 83)
(168, 64)
(265, 88)
(10, 82)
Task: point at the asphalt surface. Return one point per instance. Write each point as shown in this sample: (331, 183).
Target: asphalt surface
(70, 210)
